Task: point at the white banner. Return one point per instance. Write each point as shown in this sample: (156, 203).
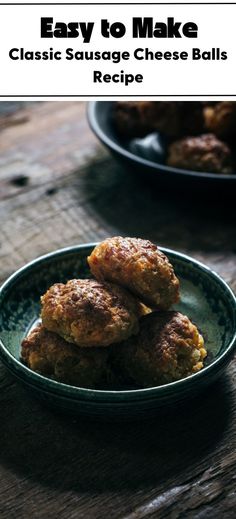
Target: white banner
(113, 50)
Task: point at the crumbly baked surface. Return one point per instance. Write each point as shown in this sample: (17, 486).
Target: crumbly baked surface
(202, 153)
(173, 119)
(139, 266)
(50, 355)
(134, 118)
(168, 347)
(90, 313)
(221, 120)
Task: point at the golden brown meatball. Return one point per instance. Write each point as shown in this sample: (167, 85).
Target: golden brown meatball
(50, 355)
(89, 314)
(167, 348)
(204, 153)
(134, 118)
(139, 266)
(173, 119)
(178, 118)
(221, 119)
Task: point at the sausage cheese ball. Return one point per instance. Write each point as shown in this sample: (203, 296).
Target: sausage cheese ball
(221, 120)
(167, 348)
(89, 313)
(203, 153)
(134, 118)
(50, 355)
(173, 119)
(139, 266)
(176, 119)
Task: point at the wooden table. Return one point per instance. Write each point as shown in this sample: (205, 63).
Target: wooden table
(59, 187)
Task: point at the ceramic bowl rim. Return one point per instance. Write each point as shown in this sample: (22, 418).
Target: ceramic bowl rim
(35, 379)
(121, 150)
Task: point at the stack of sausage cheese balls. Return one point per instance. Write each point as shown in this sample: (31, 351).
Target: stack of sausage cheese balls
(116, 329)
(200, 135)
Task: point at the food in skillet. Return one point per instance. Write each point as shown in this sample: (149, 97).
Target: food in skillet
(89, 313)
(48, 354)
(203, 153)
(167, 348)
(139, 266)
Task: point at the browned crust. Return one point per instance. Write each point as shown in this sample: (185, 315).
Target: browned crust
(90, 313)
(50, 355)
(173, 119)
(134, 118)
(139, 266)
(221, 120)
(167, 348)
(203, 153)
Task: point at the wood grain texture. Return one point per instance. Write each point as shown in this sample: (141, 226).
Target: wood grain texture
(59, 187)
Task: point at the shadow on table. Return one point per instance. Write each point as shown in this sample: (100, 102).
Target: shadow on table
(131, 205)
(67, 453)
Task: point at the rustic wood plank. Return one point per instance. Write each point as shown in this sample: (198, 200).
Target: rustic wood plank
(153, 467)
(95, 201)
(60, 187)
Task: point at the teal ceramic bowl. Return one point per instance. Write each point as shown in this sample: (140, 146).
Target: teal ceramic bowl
(205, 298)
